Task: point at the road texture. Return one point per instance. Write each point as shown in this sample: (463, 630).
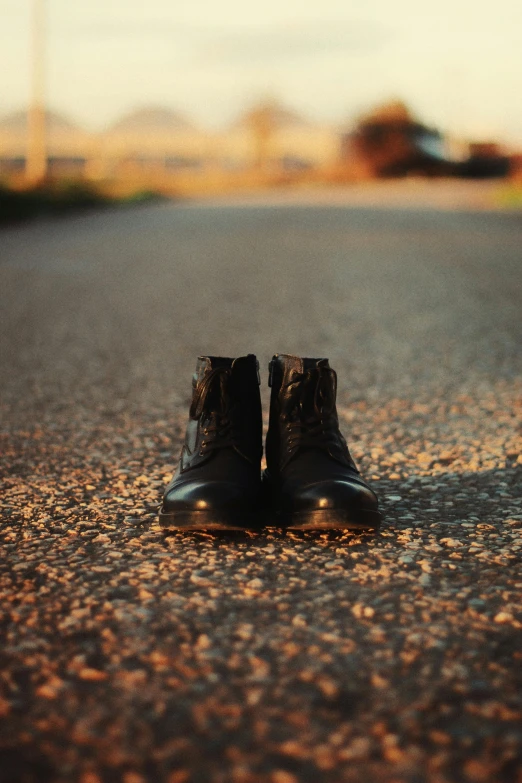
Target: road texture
(129, 656)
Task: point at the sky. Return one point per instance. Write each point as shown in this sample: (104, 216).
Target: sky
(456, 63)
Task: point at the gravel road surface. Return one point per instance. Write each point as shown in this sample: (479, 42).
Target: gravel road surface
(130, 656)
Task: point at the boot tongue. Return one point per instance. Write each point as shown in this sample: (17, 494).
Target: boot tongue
(312, 364)
(310, 386)
(285, 363)
(281, 367)
(289, 362)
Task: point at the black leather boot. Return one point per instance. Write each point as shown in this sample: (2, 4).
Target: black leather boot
(310, 477)
(217, 484)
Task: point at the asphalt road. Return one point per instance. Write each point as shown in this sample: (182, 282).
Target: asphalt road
(131, 656)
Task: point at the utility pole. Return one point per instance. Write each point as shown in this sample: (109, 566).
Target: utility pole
(262, 123)
(36, 155)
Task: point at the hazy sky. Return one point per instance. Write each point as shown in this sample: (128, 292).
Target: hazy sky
(458, 63)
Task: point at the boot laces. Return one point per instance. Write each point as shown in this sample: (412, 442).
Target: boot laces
(311, 420)
(211, 405)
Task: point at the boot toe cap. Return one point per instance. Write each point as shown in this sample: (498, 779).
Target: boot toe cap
(332, 495)
(205, 496)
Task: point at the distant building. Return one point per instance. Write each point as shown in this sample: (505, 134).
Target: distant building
(150, 139)
(68, 146)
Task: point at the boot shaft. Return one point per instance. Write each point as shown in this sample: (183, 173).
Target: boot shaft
(225, 411)
(303, 412)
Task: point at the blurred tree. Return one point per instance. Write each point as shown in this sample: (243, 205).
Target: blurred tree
(390, 141)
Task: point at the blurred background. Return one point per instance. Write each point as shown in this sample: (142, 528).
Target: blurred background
(182, 99)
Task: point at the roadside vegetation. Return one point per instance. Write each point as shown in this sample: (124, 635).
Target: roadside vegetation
(510, 195)
(60, 198)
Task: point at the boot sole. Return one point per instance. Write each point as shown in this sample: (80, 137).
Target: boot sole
(206, 520)
(331, 519)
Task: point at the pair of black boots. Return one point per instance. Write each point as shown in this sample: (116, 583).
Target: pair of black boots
(310, 481)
